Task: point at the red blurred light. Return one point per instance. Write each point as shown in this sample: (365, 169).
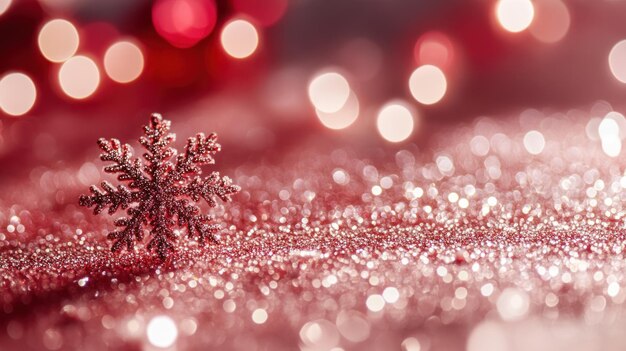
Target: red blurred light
(264, 12)
(183, 23)
(434, 48)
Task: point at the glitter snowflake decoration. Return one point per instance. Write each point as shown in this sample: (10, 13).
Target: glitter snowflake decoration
(162, 189)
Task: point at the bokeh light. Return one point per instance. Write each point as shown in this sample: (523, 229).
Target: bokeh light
(239, 38)
(515, 15)
(609, 131)
(329, 92)
(123, 61)
(79, 77)
(428, 84)
(395, 122)
(4, 6)
(344, 117)
(162, 331)
(551, 21)
(434, 48)
(184, 22)
(617, 61)
(513, 304)
(534, 142)
(488, 336)
(58, 40)
(265, 13)
(17, 93)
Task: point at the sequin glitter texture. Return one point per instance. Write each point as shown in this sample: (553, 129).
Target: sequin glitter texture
(161, 189)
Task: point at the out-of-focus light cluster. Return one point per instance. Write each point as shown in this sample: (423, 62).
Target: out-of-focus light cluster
(183, 23)
(551, 21)
(336, 104)
(17, 93)
(239, 38)
(515, 15)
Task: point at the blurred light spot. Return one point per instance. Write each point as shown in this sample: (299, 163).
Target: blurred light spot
(612, 146)
(329, 92)
(608, 127)
(353, 326)
(239, 38)
(375, 303)
(259, 316)
(344, 117)
(444, 164)
(319, 335)
(617, 61)
(609, 132)
(17, 94)
(534, 142)
(184, 22)
(479, 145)
(58, 40)
(512, 304)
(613, 289)
(488, 336)
(341, 177)
(265, 13)
(515, 15)
(395, 122)
(162, 331)
(391, 295)
(620, 120)
(428, 84)
(411, 344)
(123, 62)
(4, 6)
(79, 77)
(551, 21)
(434, 48)
(377, 190)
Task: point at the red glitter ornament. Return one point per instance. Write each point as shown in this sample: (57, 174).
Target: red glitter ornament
(161, 188)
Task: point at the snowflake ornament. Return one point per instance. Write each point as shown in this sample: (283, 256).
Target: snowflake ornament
(161, 190)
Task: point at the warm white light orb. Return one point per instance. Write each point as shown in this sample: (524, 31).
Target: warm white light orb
(4, 5)
(395, 122)
(17, 93)
(123, 62)
(58, 40)
(79, 77)
(162, 331)
(515, 15)
(329, 92)
(617, 61)
(343, 118)
(239, 38)
(513, 304)
(428, 84)
(534, 142)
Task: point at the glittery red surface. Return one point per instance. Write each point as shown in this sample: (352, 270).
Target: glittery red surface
(466, 243)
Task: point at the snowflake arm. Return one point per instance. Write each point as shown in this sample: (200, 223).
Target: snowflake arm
(110, 196)
(212, 187)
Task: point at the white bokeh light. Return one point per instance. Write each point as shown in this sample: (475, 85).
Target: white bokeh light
(534, 142)
(79, 77)
(428, 84)
(344, 117)
(488, 336)
(329, 92)
(162, 331)
(513, 304)
(617, 61)
(515, 15)
(395, 122)
(17, 93)
(123, 61)
(239, 38)
(58, 40)
(4, 6)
